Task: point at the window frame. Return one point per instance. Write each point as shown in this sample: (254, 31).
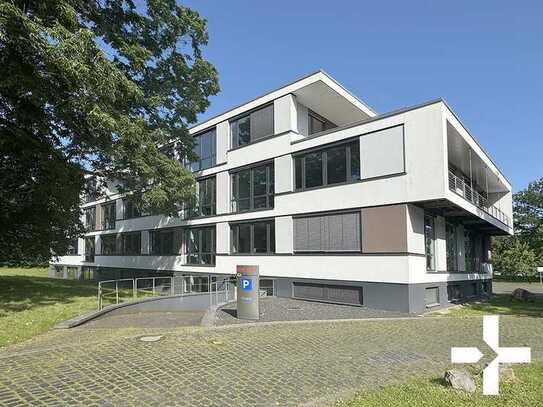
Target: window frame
(90, 254)
(433, 265)
(270, 237)
(103, 221)
(127, 202)
(323, 151)
(199, 254)
(196, 211)
(437, 294)
(270, 188)
(234, 137)
(123, 244)
(92, 226)
(158, 233)
(212, 133)
(102, 245)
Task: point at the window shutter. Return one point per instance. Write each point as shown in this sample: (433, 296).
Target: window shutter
(300, 234)
(314, 233)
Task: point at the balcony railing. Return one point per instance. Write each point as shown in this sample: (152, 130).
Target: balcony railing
(460, 187)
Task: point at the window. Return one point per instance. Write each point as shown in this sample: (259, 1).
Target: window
(72, 248)
(89, 248)
(108, 216)
(206, 199)
(109, 244)
(318, 123)
(253, 188)
(252, 127)
(257, 237)
(130, 209)
(267, 285)
(334, 165)
(90, 218)
(431, 296)
(469, 251)
(327, 233)
(454, 293)
(131, 243)
(430, 242)
(201, 245)
(205, 147)
(165, 242)
(450, 230)
(328, 293)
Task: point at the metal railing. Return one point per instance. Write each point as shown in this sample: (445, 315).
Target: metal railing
(131, 289)
(460, 187)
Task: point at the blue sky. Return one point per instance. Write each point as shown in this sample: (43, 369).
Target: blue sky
(485, 58)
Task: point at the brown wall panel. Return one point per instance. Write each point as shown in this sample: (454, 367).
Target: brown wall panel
(384, 229)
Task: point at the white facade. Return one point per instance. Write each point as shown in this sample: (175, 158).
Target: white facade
(406, 159)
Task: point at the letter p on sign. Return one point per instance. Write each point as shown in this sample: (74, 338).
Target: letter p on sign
(246, 284)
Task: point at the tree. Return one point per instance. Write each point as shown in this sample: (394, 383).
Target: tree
(513, 257)
(94, 87)
(528, 215)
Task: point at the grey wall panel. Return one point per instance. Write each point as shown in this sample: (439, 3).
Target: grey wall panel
(382, 153)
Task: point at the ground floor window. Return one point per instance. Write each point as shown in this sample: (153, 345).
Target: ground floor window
(454, 293)
(201, 245)
(451, 243)
(71, 273)
(267, 286)
(430, 242)
(328, 293)
(431, 296)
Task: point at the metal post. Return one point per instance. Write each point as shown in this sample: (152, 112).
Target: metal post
(470, 175)
(117, 290)
(134, 293)
(153, 286)
(172, 291)
(99, 296)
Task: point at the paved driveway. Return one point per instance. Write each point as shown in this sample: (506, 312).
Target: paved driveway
(264, 365)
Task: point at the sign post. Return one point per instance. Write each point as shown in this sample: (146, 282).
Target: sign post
(248, 289)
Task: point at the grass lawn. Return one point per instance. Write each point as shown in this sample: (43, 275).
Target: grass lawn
(499, 304)
(31, 303)
(527, 391)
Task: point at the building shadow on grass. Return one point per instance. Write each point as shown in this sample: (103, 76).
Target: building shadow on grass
(21, 293)
(503, 304)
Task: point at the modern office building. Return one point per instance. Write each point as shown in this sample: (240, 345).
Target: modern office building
(333, 201)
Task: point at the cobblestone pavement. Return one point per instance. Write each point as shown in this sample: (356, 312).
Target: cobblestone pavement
(147, 320)
(264, 365)
(288, 309)
(505, 287)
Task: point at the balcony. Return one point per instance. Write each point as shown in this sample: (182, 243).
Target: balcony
(460, 187)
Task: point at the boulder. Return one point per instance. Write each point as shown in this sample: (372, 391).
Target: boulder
(522, 295)
(460, 380)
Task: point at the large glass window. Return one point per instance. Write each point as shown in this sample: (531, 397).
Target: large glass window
(252, 188)
(201, 245)
(318, 123)
(205, 147)
(163, 242)
(108, 216)
(130, 209)
(452, 251)
(206, 199)
(469, 251)
(430, 242)
(251, 127)
(131, 243)
(89, 248)
(256, 237)
(109, 244)
(333, 165)
(90, 218)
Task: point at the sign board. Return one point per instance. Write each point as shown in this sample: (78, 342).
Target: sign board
(248, 288)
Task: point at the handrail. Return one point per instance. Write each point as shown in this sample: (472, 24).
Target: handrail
(219, 291)
(460, 187)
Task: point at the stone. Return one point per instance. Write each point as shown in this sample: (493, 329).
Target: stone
(522, 295)
(507, 374)
(151, 338)
(460, 380)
